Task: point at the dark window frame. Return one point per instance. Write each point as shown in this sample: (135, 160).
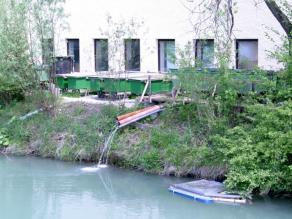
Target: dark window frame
(74, 39)
(125, 54)
(159, 55)
(95, 64)
(237, 49)
(197, 41)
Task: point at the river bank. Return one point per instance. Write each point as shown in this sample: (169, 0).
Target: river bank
(77, 132)
(183, 141)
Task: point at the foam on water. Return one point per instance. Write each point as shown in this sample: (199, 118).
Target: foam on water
(102, 166)
(90, 169)
(94, 168)
(103, 160)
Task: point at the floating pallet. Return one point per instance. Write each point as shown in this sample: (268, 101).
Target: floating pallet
(206, 191)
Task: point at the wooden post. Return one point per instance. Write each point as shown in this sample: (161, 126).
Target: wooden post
(150, 88)
(144, 91)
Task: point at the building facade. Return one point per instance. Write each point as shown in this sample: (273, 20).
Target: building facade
(159, 29)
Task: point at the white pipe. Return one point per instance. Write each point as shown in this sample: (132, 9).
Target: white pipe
(30, 114)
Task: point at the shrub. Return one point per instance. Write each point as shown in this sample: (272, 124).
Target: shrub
(4, 140)
(259, 154)
(151, 161)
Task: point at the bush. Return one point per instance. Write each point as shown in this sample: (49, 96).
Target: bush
(4, 140)
(163, 138)
(259, 154)
(151, 161)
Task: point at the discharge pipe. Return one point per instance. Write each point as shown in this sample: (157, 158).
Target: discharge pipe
(132, 117)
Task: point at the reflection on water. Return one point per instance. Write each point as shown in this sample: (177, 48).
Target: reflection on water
(36, 188)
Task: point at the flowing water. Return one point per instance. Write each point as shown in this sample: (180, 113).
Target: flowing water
(103, 160)
(33, 188)
(107, 146)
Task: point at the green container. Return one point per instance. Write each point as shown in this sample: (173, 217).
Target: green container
(112, 85)
(95, 84)
(160, 87)
(62, 82)
(79, 83)
(137, 86)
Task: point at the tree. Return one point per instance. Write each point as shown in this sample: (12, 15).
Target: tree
(221, 13)
(116, 32)
(281, 17)
(255, 141)
(45, 19)
(284, 17)
(24, 27)
(16, 72)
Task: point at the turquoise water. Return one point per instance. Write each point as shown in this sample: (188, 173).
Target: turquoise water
(33, 188)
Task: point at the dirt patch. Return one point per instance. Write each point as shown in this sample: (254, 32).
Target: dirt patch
(72, 108)
(94, 100)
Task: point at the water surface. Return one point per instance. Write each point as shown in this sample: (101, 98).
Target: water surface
(33, 188)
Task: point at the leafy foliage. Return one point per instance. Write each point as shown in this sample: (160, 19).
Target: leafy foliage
(16, 73)
(73, 132)
(4, 141)
(24, 27)
(259, 153)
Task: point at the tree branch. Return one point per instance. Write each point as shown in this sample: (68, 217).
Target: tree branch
(280, 16)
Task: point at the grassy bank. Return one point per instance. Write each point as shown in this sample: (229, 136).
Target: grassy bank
(77, 132)
(250, 150)
(71, 132)
(176, 143)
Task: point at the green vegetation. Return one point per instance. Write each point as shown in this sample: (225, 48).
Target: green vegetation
(4, 141)
(258, 151)
(25, 28)
(243, 139)
(236, 126)
(71, 132)
(16, 73)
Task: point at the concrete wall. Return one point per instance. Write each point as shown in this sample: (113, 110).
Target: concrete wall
(163, 19)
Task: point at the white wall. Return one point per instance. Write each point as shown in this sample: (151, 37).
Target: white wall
(164, 19)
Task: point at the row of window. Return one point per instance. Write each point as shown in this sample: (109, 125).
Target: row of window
(246, 54)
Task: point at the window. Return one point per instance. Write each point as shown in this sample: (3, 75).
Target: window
(101, 54)
(204, 53)
(73, 51)
(166, 55)
(63, 65)
(246, 54)
(132, 55)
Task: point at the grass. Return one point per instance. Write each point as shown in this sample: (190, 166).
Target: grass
(171, 142)
(185, 140)
(76, 132)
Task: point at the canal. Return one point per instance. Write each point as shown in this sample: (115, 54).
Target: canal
(34, 188)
